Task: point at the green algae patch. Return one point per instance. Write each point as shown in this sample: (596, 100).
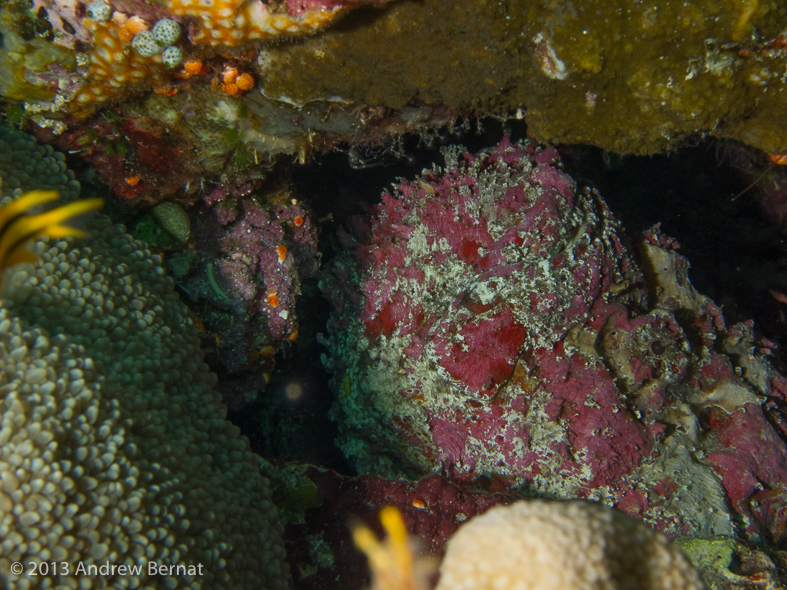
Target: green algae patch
(293, 492)
(630, 77)
(413, 52)
(719, 561)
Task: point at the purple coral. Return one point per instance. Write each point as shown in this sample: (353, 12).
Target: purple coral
(253, 260)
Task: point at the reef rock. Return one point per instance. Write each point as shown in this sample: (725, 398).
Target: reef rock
(489, 322)
(535, 545)
(245, 288)
(632, 77)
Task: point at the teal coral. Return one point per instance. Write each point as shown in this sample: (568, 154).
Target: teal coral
(115, 447)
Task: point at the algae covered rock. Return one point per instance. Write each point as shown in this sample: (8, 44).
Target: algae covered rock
(28, 66)
(633, 77)
(174, 219)
(490, 322)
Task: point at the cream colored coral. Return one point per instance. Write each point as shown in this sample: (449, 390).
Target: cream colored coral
(539, 545)
(114, 448)
(232, 22)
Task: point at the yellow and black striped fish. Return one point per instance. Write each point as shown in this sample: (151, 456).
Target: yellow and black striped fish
(18, 228)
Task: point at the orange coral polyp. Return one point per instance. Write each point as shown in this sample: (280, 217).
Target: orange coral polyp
(166, 90)
(130, 27)
(229, 74)
(119, 18)
(230, 89)
(136, 24)
(113, 69)
(193, 66)
(234, 22)
(282, 252)
(245, 81)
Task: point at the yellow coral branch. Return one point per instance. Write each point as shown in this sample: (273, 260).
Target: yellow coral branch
(394, 564)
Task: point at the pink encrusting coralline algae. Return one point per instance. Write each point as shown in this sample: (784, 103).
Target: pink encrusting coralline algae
(489, 322)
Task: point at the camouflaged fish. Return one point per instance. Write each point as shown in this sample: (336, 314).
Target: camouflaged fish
(18, 227)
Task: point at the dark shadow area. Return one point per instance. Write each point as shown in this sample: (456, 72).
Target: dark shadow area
(737, 253)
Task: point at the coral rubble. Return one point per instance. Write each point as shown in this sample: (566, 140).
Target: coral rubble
(252, 262)
(172, 144)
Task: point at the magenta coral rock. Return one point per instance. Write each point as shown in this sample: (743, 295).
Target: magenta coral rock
(253, 260)
(489, 322)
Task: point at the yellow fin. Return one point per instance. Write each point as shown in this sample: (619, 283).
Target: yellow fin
(62, 231)
(42, 221)
(366, 541)
(19, 255)
(393, 524)
(24, 203)
(17, 229)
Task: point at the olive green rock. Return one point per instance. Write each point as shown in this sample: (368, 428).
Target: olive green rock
(631, 77)
(173, 219)
(24, 62)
